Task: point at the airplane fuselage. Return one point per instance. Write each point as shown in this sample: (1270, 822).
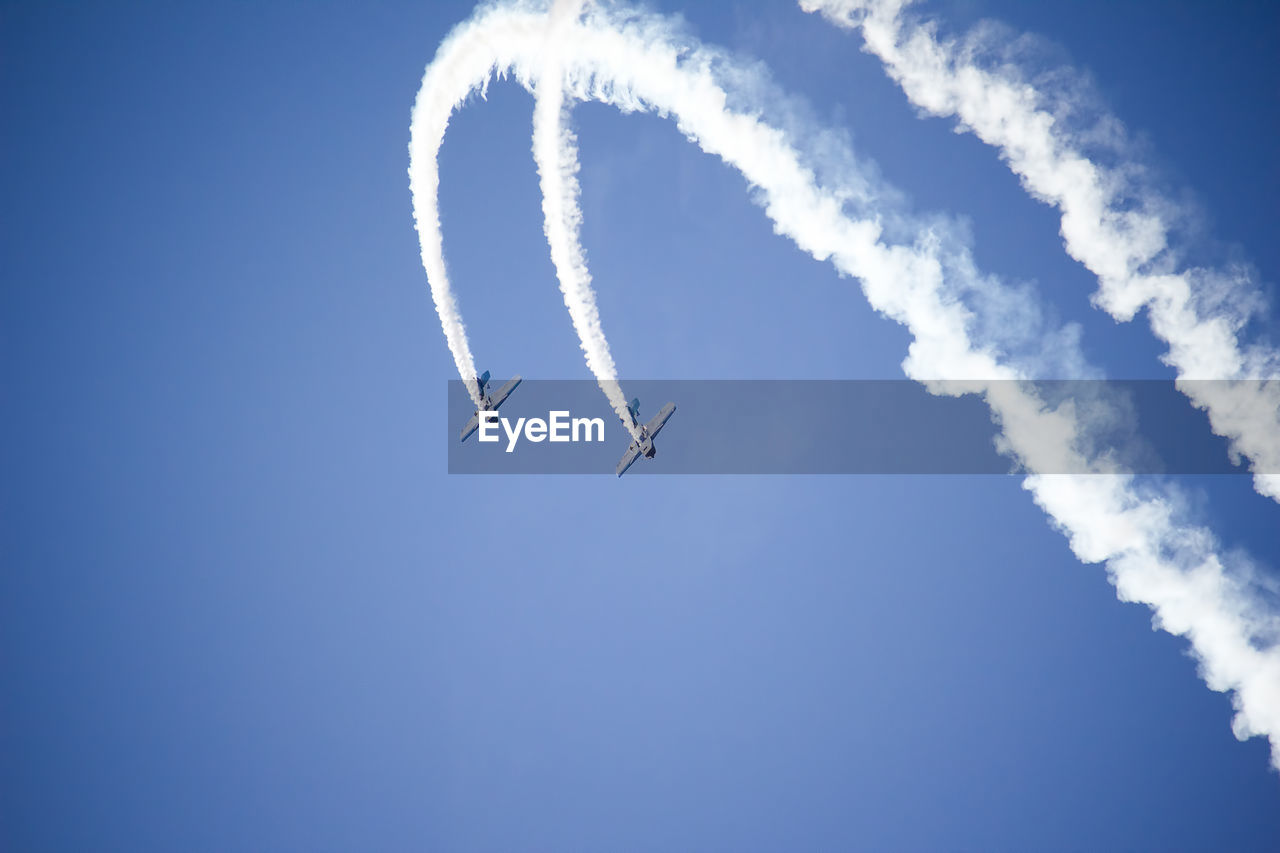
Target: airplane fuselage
(487, 402)
(642, 442)
(646, 444)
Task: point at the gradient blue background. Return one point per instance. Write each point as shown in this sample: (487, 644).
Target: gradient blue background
(244, 607)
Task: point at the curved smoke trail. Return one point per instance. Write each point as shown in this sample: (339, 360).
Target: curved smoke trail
(1119, 230)
(639, 63)
(426, 133)
(555, 151)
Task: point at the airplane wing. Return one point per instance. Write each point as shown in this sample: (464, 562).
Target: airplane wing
(505, 391)
(472, 426)
(628, 458)
(660, 419)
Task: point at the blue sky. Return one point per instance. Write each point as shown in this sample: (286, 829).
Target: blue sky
(246, 608)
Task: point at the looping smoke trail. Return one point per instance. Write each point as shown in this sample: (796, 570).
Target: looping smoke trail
(431, 112)
(639, 63)
(1120, 231)
(555, 151)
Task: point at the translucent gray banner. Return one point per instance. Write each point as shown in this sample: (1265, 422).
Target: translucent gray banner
(830, 427)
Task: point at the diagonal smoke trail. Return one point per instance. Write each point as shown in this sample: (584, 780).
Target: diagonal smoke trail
(444, 88)
(1120, 231)
(931, 287)
(426, 133)
(555, 151)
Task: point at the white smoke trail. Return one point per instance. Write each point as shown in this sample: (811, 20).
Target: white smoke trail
(445, 86)
(555, 151)
(637, 62)
(429, 120)
(1120, 232)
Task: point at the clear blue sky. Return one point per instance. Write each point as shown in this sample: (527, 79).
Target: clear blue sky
(244, 606)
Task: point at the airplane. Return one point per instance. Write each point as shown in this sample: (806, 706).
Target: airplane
(644, 445)
(488, 403)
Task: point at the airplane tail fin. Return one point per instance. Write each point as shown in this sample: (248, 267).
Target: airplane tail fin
(634, 408)
(482, 380)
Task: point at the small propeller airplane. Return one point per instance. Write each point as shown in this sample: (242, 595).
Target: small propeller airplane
(644, 445)
(488, 403)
